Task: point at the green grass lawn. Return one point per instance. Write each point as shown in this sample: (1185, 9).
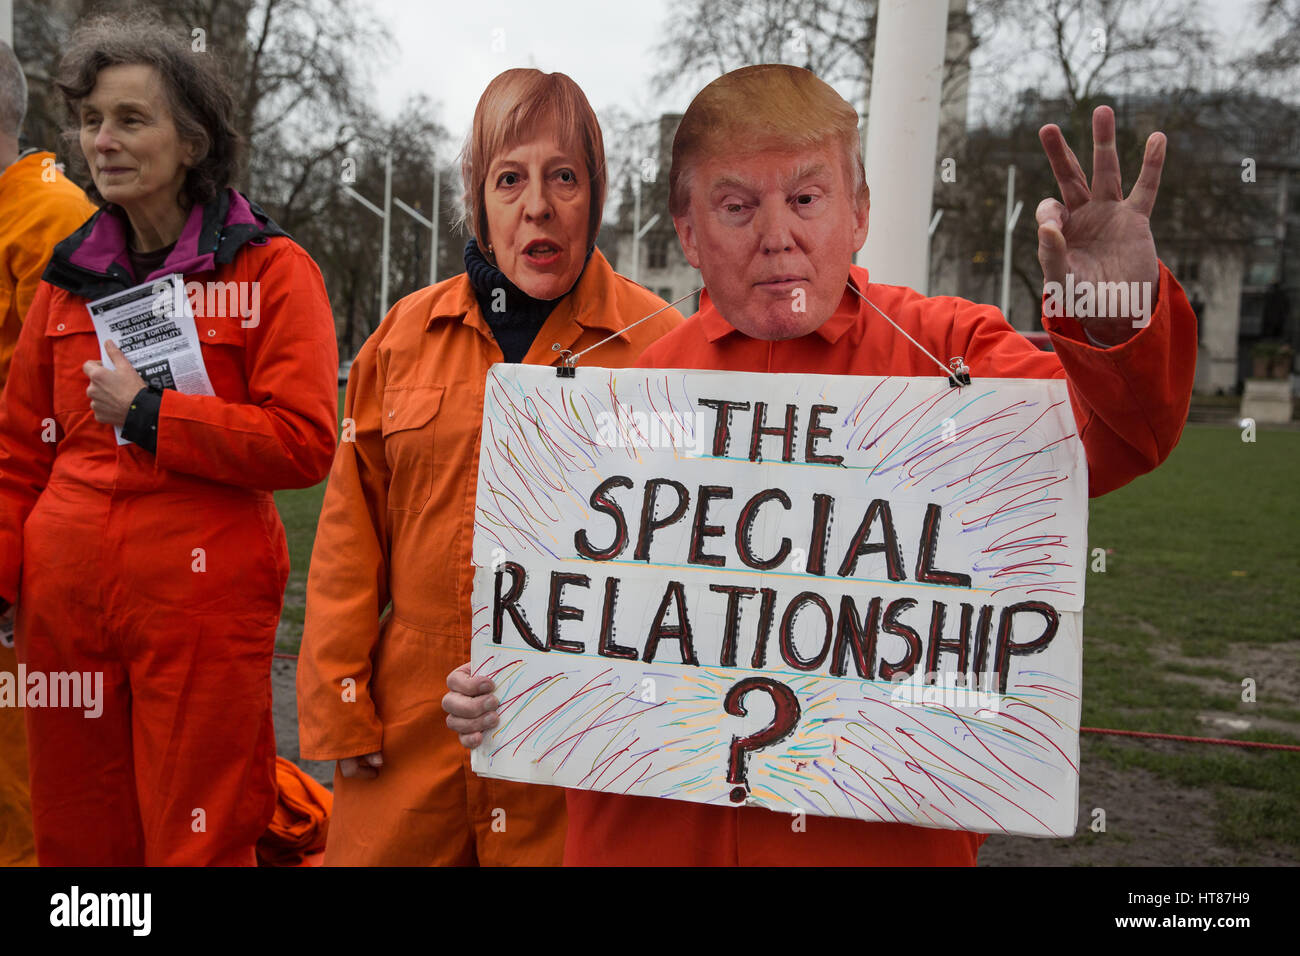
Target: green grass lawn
(299, 510)
(1203, 554)
(1199, 593)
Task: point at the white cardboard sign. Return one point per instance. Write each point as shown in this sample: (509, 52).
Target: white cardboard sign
(850, 596)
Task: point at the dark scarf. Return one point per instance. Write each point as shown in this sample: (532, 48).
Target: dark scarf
(516, 327)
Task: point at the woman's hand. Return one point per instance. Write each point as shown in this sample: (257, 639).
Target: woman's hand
(111, 390)
(470, 706)
(367, 766)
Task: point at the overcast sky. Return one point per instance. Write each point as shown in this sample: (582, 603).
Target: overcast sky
(450, 50)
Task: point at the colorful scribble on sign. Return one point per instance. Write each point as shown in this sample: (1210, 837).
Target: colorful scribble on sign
(851, 596)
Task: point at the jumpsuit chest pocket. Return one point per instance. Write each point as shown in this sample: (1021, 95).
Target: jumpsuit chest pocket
(408, 422)
(72, 340)
(223, 344)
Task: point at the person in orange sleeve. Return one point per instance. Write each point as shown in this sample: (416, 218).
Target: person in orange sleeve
(769, 199)
(398, 518)
(38, 207)
(151, 573)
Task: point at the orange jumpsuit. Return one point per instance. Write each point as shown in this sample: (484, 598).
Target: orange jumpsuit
(1130, 403)
(296, 835)
(163, 574)
(38, 207)
(397, 526)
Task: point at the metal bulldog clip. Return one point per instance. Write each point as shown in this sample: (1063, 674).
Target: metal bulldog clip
(960, 372)
(568, 364)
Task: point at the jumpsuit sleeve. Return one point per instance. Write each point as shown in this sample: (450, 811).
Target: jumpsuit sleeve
(347, 583)
(141, 425)
(1130, 401)
(283, 436)
(29, 249)
(30, 255)
(27, 437)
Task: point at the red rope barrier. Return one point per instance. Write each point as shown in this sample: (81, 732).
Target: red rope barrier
(1182, 738)
(1186, 739)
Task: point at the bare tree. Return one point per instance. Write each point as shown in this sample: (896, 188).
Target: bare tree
(706, 38)
(632, 156)
(1275, 64)
(1081, 50)
(345, 238)
(835, 39)
(1145, 58)
(302, 87)
(301, 79)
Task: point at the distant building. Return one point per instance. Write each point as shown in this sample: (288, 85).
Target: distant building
(1239, 278)
(1225, 239)
(657, 262)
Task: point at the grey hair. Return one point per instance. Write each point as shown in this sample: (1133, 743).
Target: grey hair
(198, 92)
(13, 92)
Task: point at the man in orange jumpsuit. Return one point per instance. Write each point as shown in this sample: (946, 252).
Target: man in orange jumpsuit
(771, 214)
(38, 207)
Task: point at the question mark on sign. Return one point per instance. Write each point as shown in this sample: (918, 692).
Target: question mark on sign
(783, 724)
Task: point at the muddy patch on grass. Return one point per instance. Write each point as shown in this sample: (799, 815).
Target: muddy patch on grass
(1275, 668)
(1218, 724)
(1150, 821)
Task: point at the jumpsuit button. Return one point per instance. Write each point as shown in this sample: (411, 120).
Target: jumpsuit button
(392, 412)
(212, 331)
(61, 327)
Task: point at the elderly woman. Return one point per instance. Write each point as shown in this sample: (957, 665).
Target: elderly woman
(398, 518)
(148, 576)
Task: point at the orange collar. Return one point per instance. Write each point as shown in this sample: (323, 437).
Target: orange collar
(28, 166)
(844, 317)
(587, 303)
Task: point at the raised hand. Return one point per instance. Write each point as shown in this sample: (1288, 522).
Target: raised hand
(1094, 235)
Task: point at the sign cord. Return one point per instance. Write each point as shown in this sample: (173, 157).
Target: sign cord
(571, 358)
(955, 368)
(953, 371)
